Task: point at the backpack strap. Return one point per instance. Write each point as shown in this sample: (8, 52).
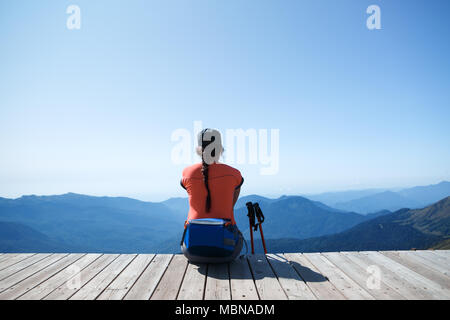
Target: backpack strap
(184, 232)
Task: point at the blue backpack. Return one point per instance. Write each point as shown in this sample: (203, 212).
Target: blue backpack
(211, 240)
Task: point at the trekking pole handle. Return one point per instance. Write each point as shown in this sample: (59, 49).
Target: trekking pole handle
(251, 213)
(259, 213)
(251, 220)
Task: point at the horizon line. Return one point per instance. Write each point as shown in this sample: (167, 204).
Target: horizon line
(269, 196)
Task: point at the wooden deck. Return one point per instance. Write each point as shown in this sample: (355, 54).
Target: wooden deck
(335, 275)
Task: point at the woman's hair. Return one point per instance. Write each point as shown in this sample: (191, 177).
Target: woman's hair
(209, 155)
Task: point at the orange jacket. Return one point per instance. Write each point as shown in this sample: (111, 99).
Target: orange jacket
(222, 181)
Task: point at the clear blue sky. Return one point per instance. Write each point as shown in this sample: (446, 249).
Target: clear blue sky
(92, 110)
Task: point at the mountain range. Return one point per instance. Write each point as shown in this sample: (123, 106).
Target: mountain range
(92, 224)
(80, 223)
(116, 224)
(374, 200)
(404, 229)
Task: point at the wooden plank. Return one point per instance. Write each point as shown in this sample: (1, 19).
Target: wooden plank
(433, 254)
(72, 285)
(434, 261)
(7, 256)
(147, 282)
(117, 289)
(170, 283)
(193, 284)
(421, 274)
(241, 280)
(265, 280)
(318, 283)
(361, 276)
(419, 265)
(443, 253)
(66, 275)
(425, 287)
(13, 259)
(12, 269)
(291, 282)
(29, 283)
(390, 278)
(349, 288)
(218, 282)
(443, 257)
(437, 285)
(92, 289)
(29, 271)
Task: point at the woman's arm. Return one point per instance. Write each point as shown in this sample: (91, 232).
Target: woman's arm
(236, 195)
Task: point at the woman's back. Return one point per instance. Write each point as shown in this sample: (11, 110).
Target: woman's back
(223, 180)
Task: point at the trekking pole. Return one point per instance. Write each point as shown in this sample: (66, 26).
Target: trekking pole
(251, 221)
(260, 217)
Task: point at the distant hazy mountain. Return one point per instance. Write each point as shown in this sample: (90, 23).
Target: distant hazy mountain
(386, 200)
(331, 198)
(427, 194)
(179, 205)
(416, 197)
(102, 224)
(402, 230)
(360, 201)
(252, 198)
